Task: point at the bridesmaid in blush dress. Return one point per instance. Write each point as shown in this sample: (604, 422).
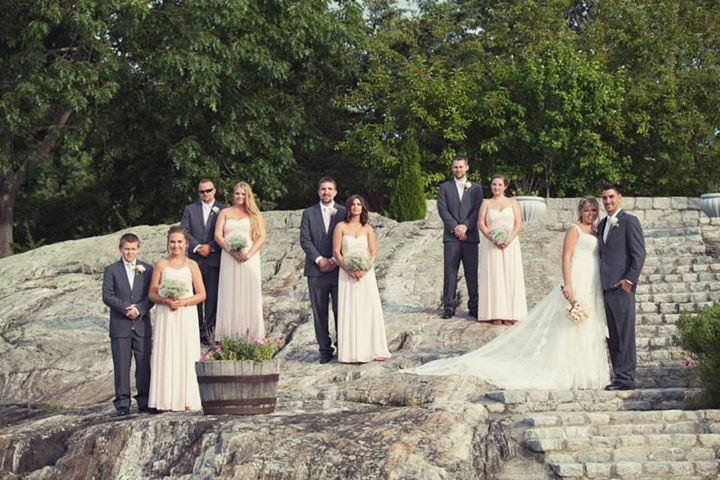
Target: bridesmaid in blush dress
(176, 336)
(361, 326)
(501, 278)
(240, 307)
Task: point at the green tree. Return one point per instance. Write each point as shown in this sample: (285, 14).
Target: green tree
(230, 90)
(407, 199)
(667, 56)
(57, 65)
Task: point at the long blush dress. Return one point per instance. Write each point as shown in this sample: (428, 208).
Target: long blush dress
(501, 278)
(240, 307)
(176, 348)
(361, 325)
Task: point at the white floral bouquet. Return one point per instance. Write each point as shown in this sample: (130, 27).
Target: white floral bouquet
(576, 312)
(357, 261)
(236, 242)
(172, 288)
(499, 235)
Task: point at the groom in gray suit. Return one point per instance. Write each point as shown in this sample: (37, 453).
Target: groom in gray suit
(316, 231)
(622, 254)
(198, 219)
(458, 204)
(125, 290)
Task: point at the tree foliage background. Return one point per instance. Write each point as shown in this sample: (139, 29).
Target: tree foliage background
(111, 111)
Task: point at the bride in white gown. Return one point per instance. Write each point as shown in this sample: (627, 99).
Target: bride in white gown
(547, 350)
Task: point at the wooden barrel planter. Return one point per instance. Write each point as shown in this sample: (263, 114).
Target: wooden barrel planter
(238, 387)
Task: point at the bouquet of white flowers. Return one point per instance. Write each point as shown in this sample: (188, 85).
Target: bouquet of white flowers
(357, 261)
(576, 312)
(499, 235)
(172, 288)
(236, 242)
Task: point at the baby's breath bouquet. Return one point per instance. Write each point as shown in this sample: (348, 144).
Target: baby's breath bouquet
(499, 235)
(172, 288)
(357, 261)
(236, 242)
(244, 348)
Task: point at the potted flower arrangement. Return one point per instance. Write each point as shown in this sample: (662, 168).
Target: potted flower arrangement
(239, 376)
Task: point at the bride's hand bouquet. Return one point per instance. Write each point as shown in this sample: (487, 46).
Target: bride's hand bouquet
(499, 235)
(357, 261)
(244, 348)
(576, 312)
(172, 288)
(236, 242)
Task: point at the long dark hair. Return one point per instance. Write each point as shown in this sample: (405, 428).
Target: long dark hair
(363, 215)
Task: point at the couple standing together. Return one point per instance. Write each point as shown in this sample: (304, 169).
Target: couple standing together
(164, 354)
(600, 269)
(329, 235)
(233, 306)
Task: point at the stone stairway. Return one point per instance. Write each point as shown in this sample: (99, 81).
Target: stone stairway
(651, 444)
(639, 434)
(678, 276)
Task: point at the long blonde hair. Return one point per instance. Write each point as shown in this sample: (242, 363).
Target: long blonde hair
(252, 209)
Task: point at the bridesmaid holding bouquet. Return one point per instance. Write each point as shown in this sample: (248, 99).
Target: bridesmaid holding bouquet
(361, 326)
(501, 278)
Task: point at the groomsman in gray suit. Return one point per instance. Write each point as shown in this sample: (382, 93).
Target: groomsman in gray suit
(199, 220)
(458, 204)
(125, 290)
(622, 254)
(316, 231)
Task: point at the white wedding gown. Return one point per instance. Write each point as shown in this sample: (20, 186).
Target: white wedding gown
(546, 351)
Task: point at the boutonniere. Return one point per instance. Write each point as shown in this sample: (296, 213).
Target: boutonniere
(333, 211)
(214, 210)
(614, 222)
(139, 269)
(467, 185)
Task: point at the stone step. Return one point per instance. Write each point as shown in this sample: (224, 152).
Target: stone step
(688, 470)
(667, 376)
(628, 444)
(641, 399)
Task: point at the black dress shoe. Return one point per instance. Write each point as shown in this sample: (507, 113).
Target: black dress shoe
(473, 314)
(618, 386)
(448, 314)
(325, 358)
(149, 410)
(122, 412)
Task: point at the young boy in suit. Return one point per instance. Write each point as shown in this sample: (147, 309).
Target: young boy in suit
(125, 291)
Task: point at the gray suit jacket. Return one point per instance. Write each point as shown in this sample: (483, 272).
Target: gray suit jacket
(313, 239)
(117, 295)
(454, 212)
(192, 221)
(623, 255)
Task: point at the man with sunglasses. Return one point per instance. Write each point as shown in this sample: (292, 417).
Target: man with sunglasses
(199, 220)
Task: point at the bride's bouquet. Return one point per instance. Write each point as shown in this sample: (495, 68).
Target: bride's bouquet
(236, 242)
(576, 312)
(499, 235)
(357, 261)
(172, 288)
